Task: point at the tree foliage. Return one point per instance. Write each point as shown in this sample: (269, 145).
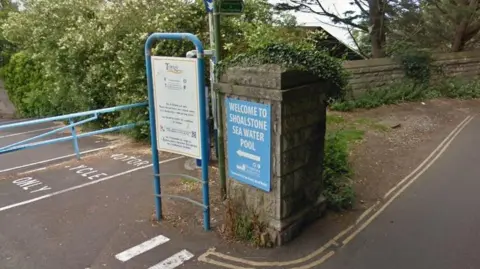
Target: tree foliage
(91, 52)
(372, 18)
(383, 27)
(440, 25)
(6, 47)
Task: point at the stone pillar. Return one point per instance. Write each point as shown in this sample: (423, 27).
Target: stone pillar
(297, 132)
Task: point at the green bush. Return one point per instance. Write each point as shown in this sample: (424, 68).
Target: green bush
(338, 186)
(92, 52)
(27, 87)
(295, 57)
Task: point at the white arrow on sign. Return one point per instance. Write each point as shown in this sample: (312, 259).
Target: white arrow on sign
(210, 6)
(248, 155)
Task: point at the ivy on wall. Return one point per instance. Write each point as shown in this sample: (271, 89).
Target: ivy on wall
(295, 57)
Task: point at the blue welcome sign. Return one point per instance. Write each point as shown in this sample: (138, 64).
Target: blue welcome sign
(249, 145)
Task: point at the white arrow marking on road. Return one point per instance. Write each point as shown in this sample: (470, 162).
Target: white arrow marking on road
(248, 155)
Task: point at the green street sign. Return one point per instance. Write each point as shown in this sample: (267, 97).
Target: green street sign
(231, 7)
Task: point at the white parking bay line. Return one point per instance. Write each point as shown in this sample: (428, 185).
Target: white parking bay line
(141, 248)
(29, 132)
(54, 159)
(174, 260)
(81, 186)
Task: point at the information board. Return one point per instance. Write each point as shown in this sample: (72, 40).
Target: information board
(176, 99)
(249, 147)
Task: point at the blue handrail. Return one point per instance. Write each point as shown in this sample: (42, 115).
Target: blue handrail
(20, 145)
(73, 115)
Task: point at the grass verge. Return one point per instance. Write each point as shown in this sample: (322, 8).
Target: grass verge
(337, 171)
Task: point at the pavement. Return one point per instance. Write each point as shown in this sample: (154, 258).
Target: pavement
(59, 212)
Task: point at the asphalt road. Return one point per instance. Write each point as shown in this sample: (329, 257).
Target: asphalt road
(57, 212)
(32, 158)
(95, 213)
(435, 223)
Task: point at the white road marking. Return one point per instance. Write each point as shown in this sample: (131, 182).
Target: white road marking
(433, 154)
(442, 147)
(174, 260)
(141, 248)
(28, 132)
(81, 186)
(31, 171)
(11, 121)
(455, 132)
(54, 159)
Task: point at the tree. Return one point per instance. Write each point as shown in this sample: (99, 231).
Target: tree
(438, 25)
(6, 48)
(91, 52)
(461, 16)
(366, 16)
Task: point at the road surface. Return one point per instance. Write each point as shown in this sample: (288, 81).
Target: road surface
(57, 212)
(435, 223)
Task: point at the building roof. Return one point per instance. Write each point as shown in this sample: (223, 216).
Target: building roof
(336, 47)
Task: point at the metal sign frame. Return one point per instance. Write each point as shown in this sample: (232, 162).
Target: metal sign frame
(203, 125)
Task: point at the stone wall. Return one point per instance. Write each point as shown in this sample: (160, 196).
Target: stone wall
(298, 121)
(367, 74)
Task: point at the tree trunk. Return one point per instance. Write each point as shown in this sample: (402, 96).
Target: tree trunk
(458, 39)
(461, 34)
(377, 28)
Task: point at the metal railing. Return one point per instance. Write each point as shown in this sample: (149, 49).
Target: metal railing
(205, 149)
(93, 115)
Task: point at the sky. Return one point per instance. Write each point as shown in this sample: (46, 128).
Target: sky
(334, 6)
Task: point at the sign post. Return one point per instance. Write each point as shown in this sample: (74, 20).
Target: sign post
(177, 124)
(209, 6)
(214, 9)
(249, 146)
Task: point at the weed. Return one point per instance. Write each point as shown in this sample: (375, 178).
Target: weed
(334, 119)
(245, 226)
(188, 184)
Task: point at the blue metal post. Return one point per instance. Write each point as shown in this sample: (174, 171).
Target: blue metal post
(75, 139)
(203, 118)
(153, 131)
(204, 134)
